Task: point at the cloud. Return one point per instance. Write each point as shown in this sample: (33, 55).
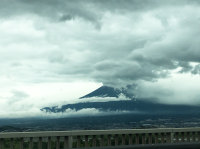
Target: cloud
(86, 112)
(116, 43)
(17, 96)
(27, 100)
(142, 45)
(35, 113)
(101, 99)
(179, 89)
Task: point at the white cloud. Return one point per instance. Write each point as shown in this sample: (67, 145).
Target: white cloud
(104, 99)
(28, 99)
(46, 46)
(176, 89)
(36, 113)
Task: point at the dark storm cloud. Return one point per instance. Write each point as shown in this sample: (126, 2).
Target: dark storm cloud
(186, 67)
(60, 10)
(90, 10)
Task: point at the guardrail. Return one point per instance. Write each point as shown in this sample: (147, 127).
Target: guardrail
(97, 138)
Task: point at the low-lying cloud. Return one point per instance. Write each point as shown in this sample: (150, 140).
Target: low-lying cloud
(36, 113)
(179, 89)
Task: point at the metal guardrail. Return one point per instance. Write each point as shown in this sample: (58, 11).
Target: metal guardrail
(98, 138)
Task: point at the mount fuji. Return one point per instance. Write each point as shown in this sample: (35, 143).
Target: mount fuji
(129, 104)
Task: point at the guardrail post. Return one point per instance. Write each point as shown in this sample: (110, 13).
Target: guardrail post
(86, 141)
(198, 133)
(40, 143)
(182, 137)
(150, 138)
(109, 140)
(130, 139)
(162, 138)
(94, 141)
(176, 136)
(102, 140)
(21, 143)
(193, 137)
(116, 139)
(123, 139)
(156, 138)
(31, 143)
(49, 142)
(58, 142)
(11, 143)
(78, 141)
(143, 138)
(172, 137)
(137, 139)
(169, 138)
(68, 141)
(188, 136)
(1, 143)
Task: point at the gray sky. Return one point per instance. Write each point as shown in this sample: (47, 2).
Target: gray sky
(55, 51)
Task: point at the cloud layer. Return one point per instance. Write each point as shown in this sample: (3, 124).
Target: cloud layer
(117, 43)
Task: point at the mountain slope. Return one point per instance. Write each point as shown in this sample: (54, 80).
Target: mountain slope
(128, 105)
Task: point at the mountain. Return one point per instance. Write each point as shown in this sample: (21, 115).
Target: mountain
(106, 91)
(131, 105)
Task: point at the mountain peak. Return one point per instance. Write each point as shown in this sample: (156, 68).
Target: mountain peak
(104, 91)
(107, 91)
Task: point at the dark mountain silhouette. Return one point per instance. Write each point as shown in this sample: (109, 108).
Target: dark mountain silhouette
(139, 105)
(128, 105)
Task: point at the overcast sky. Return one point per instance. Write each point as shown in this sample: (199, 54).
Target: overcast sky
(56, 51)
